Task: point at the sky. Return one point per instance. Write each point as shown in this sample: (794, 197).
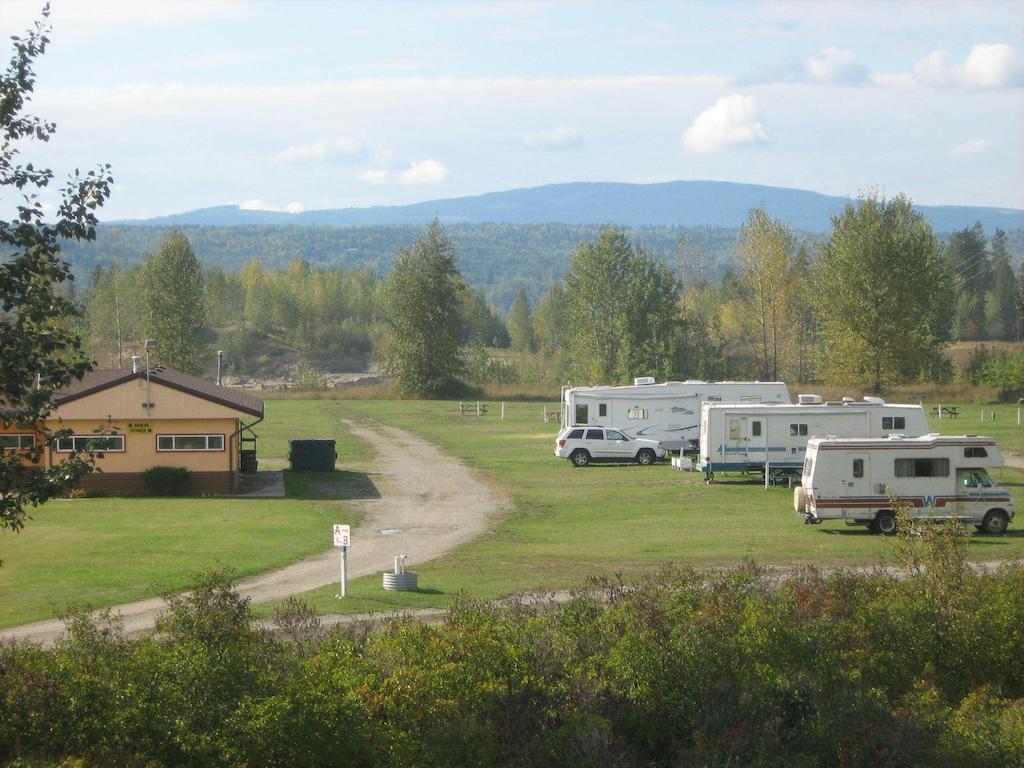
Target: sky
(309, 105)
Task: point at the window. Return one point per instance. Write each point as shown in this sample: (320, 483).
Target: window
(798, 430)
(581, 413)
(922, 467)
(734, 429)
(713, 399)
(894, 422)
(17, 442)
(637, 413)
(858, 467)
(755, 428)
(576, 434)
(602, 409)
(976, 479)
(94, 443)
(975, 452)
(613, 434)
(595, 434)
(190, 442)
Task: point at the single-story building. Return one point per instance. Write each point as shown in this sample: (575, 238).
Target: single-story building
(148, 418)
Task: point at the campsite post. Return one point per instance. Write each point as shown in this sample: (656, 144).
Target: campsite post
(341, 540)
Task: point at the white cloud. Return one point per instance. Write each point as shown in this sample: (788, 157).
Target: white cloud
(988, 65)
(732, 120)
(991, 66)
(328, 150)
(973, 147)
(834, 65)
(559, 137)
(424, 172)
(256, 204)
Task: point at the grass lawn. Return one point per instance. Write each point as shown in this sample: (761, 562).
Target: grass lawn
(567, 523)
(106, 551)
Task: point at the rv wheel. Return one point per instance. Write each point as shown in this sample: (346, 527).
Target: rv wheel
(995, 522)
(645, 456)
(885, 523)
(580, 457)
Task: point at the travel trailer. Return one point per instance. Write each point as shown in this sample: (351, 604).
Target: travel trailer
(744, 438)
(936, 476)
(667, 412)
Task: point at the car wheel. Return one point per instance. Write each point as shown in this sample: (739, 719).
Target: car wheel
(885, 523)
(995, 522)
(645, 456)
(580, 457)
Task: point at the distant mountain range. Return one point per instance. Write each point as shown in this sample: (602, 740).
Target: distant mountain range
(674, 203)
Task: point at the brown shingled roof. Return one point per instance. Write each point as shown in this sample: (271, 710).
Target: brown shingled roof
(104, 378)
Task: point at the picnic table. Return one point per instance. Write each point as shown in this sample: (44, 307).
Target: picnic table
(473, 409)
(944, 411)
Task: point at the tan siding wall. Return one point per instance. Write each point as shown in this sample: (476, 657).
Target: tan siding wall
(125, 402)
(140, 451)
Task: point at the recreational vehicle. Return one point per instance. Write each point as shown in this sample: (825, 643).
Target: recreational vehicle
(745, 438)
(936, 476)
(667, 412)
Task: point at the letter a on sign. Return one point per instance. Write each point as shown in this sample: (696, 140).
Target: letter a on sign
(341, 535)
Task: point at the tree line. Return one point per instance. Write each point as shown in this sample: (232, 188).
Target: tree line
(872, 303)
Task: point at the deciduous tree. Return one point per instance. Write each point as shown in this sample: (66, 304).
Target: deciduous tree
(883, 295)
(39, 349)
(520, 324)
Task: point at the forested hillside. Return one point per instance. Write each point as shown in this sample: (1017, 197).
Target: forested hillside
(496, 258)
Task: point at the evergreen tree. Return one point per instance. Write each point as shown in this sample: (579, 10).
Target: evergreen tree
(1002, 317)
(421, 346)
(174, 304)
(968, 262)
(520, 324)
(883, 293)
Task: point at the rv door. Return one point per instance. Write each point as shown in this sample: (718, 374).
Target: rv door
(857, 479)
(757, 440)
(971, 485)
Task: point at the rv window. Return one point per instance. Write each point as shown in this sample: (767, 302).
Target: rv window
(595, 434)
(858, 467)
(602, 409)
(755, 428)
(734, 429)
(975, 452)
(581, 413)
(637, 413)
(894, 422)
(797, 430)
(976, 479)
(713, 399)
(612, 434)
(576, 434)
(922, 467)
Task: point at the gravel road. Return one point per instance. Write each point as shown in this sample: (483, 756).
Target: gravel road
(429, 504)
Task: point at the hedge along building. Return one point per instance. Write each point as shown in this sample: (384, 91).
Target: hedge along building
(135, 420)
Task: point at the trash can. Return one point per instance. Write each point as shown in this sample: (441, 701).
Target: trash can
(312, 455)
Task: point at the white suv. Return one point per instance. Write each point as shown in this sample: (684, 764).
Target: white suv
(582, 445)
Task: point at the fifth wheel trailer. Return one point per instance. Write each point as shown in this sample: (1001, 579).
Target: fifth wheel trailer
(744, 438)
(668, 412)
(935, 476)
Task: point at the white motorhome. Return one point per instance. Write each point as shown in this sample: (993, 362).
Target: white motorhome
(936, 476)
(744, 438)
(668, 412)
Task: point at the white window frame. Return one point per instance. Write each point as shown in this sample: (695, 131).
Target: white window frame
(207, 449)
(637, 413)
(85, 439)
(21, 446)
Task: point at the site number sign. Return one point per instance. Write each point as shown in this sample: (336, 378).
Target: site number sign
(341, 535)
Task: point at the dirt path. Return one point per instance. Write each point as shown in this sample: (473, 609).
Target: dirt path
(1013, 460)
(429, 504)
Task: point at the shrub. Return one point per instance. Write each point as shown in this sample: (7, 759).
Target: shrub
(166, 481)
